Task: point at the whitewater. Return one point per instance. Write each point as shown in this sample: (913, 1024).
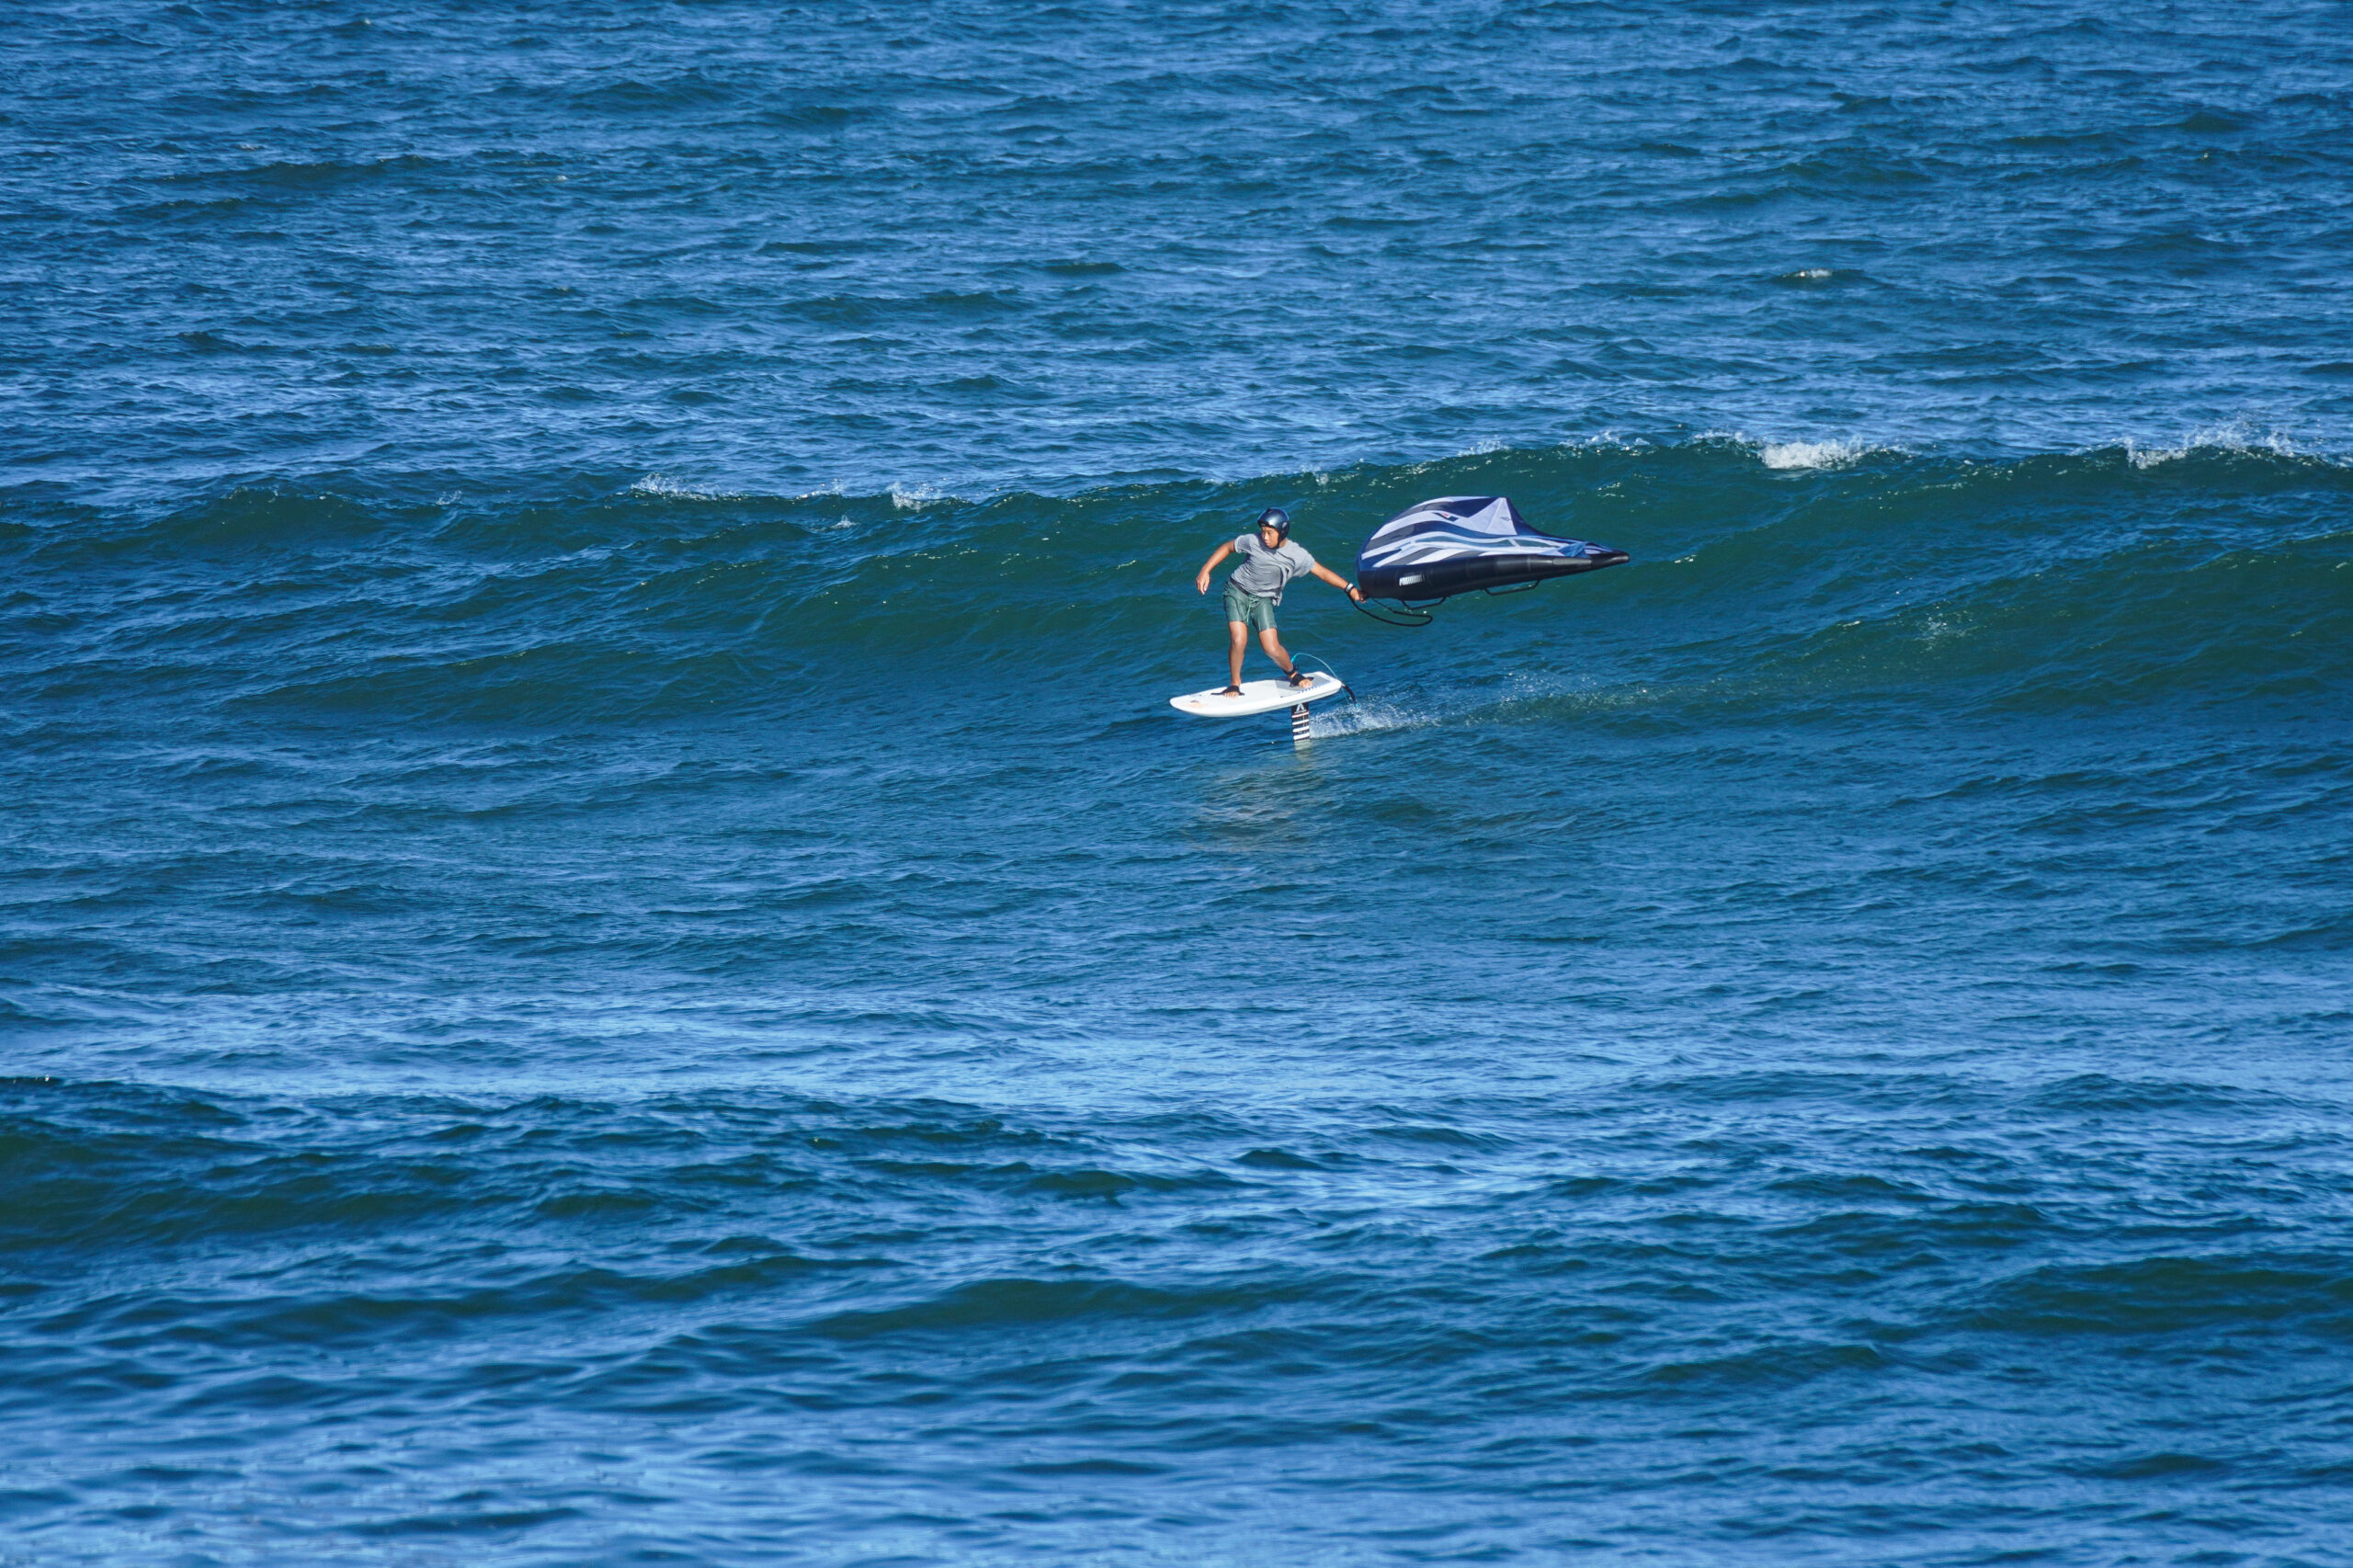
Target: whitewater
(609, 951)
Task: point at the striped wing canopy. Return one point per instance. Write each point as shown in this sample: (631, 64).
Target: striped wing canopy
(1457, 543)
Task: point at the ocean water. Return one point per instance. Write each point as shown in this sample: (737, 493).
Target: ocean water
(609, 952)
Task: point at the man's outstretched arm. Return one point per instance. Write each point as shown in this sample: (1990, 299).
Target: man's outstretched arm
(1328, 576)
(1202, 583)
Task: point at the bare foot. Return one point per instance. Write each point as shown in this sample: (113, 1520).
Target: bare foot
(1301, 678)
(1231, 691)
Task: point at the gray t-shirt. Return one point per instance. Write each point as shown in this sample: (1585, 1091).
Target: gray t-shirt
(1264, 571)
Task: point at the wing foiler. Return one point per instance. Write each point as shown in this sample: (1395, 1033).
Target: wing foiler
(1458, 544)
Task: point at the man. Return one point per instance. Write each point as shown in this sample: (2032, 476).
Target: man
(1268, 561)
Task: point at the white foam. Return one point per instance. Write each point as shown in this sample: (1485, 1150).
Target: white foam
(1520, 693)
(2236, 436)
(1362, 717)
(1811, 454)
(664, 485)
(914, 497)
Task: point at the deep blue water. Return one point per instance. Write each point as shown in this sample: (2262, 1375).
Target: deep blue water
(609, 952)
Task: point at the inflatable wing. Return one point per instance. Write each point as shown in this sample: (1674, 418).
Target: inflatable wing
(1457, 543)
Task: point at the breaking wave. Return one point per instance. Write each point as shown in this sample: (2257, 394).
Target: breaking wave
(1788, 577)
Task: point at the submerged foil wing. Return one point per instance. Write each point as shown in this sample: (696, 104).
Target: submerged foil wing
(1435, 550)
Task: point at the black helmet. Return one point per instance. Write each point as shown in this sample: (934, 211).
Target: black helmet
(1275, 517)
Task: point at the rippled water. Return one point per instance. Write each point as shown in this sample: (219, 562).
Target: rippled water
(1006, 243)
(609, 951)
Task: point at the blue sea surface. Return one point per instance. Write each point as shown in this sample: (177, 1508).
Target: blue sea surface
(610, 952)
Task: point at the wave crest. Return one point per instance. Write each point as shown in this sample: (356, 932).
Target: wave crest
(2062, 578)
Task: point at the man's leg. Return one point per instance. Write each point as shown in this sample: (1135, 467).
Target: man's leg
(1239, 638)
(1274, 647)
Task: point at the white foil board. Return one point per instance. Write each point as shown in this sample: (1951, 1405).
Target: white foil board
(1257, 696)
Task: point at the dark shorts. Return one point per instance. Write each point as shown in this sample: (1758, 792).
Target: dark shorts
(1253, 610)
